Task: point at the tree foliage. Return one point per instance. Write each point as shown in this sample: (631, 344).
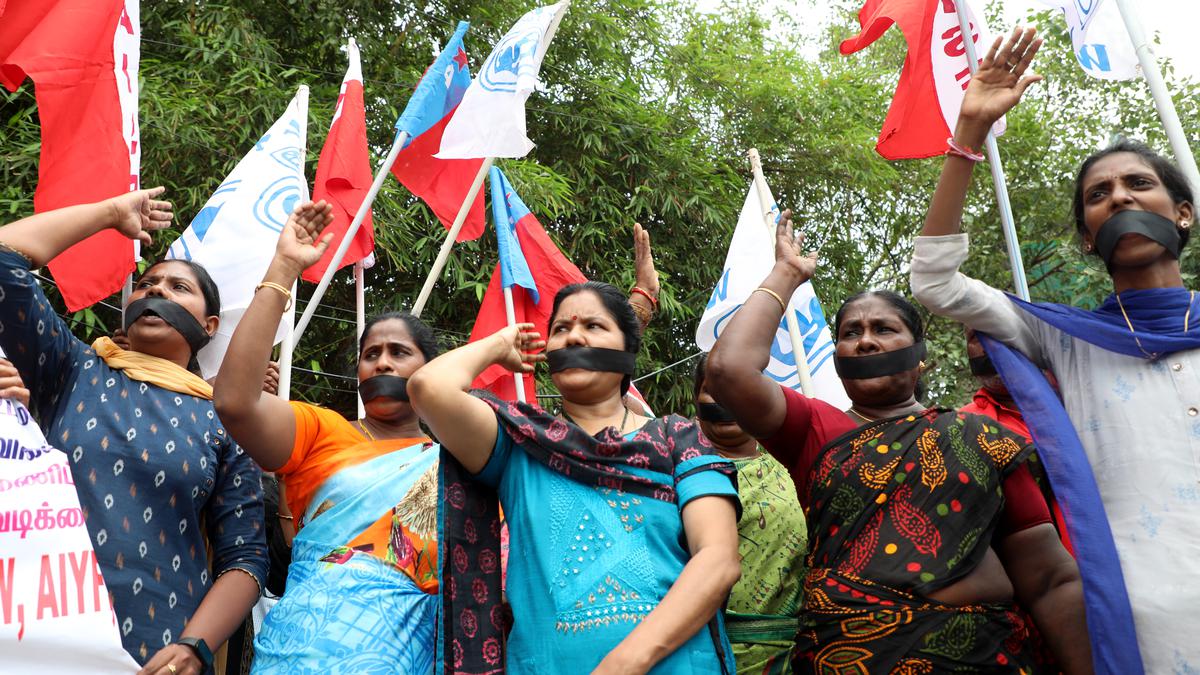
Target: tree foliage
(647, 111)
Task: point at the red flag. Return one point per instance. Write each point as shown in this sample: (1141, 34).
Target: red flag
(551, 271)
(344, 172)
(441, 183)
(67, 48)
(925, 106)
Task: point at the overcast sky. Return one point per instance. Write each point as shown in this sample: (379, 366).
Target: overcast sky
(1175, 21)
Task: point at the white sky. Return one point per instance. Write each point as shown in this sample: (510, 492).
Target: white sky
(1175, 22)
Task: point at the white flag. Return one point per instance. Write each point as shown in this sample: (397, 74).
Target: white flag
(751, 256)
(234, 235)
(1099, 39)
(490, 120)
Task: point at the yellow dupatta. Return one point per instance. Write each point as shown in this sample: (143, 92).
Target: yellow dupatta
(146, 368)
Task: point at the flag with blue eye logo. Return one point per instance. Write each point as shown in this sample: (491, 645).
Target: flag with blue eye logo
(751, 256)
(234, 234)
(509, 211)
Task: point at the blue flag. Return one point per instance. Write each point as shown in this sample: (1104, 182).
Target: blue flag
(440, 90)
(508, 211)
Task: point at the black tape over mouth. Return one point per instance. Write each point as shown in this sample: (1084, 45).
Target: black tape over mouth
(1152, 226)
(880, 365)
(383, 386)
(173, 314)
(714, 413)
(592, 358)
(982, 366)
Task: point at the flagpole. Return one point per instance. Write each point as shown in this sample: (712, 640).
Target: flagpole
(381, 174)
(1162, 97)
(999, 181)
(287, 348)
(360, 317)
(511, 313)
(444, 253)
(798, 353)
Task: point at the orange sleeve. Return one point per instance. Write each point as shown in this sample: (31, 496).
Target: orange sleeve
(320, 433)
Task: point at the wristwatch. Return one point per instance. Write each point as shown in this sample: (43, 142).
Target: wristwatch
(199, 646)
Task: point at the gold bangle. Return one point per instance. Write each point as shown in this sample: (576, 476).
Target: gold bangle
(773, 294)
(286, 293)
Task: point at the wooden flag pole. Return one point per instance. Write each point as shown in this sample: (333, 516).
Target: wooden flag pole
(769, 219)
(444, 253)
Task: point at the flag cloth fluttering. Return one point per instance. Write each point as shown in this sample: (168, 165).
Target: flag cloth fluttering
(925, 107)
(82, 56)
(508, 210)
(440, 183)
(490, 121)
(344, 171)
(235, 234)
(1099, 39)
(751, 254)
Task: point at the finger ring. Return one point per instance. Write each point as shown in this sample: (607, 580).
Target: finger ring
(171, 667)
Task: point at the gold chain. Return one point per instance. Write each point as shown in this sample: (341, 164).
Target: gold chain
(862, 416)
(1186, 323)
(366, 432)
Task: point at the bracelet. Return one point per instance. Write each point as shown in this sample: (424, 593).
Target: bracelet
(283, 517)
(286, 293)
(641, 291)
(956, 149)
(13, 249)
(773, 294)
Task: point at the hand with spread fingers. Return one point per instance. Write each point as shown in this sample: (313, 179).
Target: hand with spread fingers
(301, 243)
(174, 659)
(514, 344)
(1001, 80)
(139, 213)
(789, 250)
(11, 384)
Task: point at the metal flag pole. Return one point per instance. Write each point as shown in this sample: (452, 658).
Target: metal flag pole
(1020, 285)
(1162, 97)
(381, 174)
(360, 317)
(511, 314)
(768, 206)
(288, 346)
(444, 253)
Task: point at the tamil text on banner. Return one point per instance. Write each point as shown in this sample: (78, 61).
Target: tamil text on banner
(82, 56)
(55, 616)
(490, 121)
(1099, 39)
(440, 183)
(751, 256)
(234, 235)
(928, 98)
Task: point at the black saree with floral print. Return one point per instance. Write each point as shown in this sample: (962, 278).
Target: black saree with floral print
(900, 508)
(474, 621)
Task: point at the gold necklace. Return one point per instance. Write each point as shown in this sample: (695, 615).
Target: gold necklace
(362, 425)
(620, 431)
(1186, 323)
(862, 416)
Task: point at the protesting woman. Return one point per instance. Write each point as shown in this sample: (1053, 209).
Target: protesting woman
(623, 529)
(1122, 448)
(163, 487)
(922, 527)
(362, 585)
(762, 615)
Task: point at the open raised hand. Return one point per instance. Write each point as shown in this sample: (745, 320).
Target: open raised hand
(137, 214)
(643, 259)
(301, 243)
(789, 250)
(1002, 78)
(514, 344)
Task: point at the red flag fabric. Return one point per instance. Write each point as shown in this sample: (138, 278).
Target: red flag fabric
(551, 271)
(67, 48)
(441, 183)
(925, 107)
(344, 172)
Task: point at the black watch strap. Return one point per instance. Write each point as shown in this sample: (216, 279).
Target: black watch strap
(199, 646)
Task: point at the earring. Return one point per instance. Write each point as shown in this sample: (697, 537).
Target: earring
(921, 365)
(1185, 224)
(1087, 248)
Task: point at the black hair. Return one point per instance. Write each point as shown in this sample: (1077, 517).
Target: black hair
(616, 304)
(208, 287)
(699, 374)
(1172, 179)
(908, 312)
(418, 330)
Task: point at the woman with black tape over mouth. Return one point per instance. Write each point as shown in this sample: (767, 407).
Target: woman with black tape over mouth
(1121, 446)
(160, 480)
(623, 536)
(363, 578)
(920, 520)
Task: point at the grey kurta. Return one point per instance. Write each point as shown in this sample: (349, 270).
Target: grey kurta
(1139, 422)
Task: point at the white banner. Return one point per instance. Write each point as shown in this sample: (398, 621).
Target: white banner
(1099, 39)
(751, 256)
(490, 120)
(234, 235)
(55, 616)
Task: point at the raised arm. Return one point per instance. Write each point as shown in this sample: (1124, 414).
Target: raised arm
(646, 279)
(465, 425)
(42, 236)
(734, 373)
(264, 424)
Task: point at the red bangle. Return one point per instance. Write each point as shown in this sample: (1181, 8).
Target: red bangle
(956, 149)
(641, 291)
